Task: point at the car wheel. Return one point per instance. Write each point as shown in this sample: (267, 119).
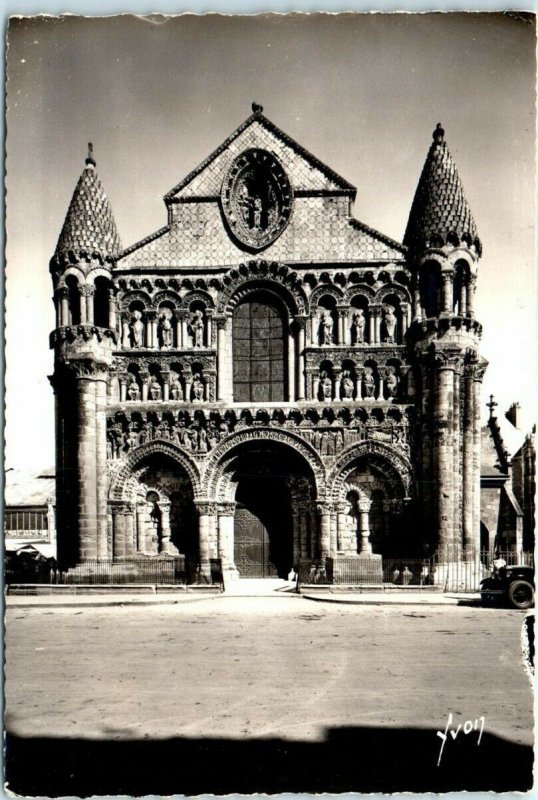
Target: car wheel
(521, 594)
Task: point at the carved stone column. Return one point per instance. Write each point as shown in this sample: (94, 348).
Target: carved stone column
(209, 330)
(206, 520)
(144, 376)
(341, 528)
(296, 529)
(478, 376)
(463, 299)
(164, 544)
(337, 379)
(324, 513)
(470, 296)
(123, 388)
(359, 373)
(101, 376)
(141, 514)
(185, 343)
(301, 376)
(448, 291)
(381, 388)
(371, 325)
(377, 324)
(62, 307)
(364, 506)
(446, 363)
(291, 367)
(226, 513)
(166, 384)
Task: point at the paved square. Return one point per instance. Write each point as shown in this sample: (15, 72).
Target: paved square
(252, 694)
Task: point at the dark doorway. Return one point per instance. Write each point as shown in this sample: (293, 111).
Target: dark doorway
(263, 537)
(258, 352)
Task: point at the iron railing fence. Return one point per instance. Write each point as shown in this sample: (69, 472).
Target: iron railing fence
(457, 570)
(162, 571)
(451, 570)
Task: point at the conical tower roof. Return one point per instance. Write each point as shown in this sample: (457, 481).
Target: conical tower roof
(440, 213)
(89, 225)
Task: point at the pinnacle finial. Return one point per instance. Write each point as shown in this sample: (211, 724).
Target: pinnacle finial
(90, 159)
(257, 108)
(439, 133)
(491, 405)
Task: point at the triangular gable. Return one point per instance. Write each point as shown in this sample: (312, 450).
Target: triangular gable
(305, 171)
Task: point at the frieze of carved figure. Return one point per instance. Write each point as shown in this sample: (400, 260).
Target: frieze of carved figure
(165, 329)
(136, 330)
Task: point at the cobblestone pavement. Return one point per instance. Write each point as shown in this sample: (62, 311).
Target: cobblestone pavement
(250, 672)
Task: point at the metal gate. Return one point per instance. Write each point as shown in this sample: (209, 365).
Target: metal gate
(252, 552)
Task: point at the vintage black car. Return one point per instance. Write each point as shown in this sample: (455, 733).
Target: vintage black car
(509, 585)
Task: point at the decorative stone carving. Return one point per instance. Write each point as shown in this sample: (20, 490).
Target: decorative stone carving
(358, 323)
(348, 386)
(133, 391)
(391, 381)
(390, 324)
(256, 199)
(326, 328)
(368, 383)
(136, 329)
(326, 386)
(155, 389)
(197, 388)
(165, 329)
(197, 328)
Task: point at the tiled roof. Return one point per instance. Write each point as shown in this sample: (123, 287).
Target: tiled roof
(318, 231)
(28, 488)
(258, 131)
(89, 225)
(440, 210)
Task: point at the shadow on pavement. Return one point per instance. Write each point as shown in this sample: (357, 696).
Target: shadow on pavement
(350, 759)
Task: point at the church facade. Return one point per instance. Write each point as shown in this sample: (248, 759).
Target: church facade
(265, 379)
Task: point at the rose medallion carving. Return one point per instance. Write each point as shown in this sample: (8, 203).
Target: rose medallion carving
(256, 199)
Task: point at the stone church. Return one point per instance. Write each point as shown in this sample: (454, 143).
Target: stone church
(266, 379)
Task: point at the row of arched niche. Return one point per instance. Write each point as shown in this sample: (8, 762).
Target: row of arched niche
(361, 315)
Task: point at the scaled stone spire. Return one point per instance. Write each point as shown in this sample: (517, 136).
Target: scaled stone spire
(89, 226)
(440, 213)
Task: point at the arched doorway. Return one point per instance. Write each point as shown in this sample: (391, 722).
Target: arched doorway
(165, 519)
(259, 350)
(274, 523)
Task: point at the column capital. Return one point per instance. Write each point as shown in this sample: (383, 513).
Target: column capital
(120, 507)
(86, 369)
(62, 292)
(206, 507)
(86, 289)
(226, 509)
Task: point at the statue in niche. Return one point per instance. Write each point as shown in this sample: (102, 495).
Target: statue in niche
(357, 326)
(137, 330)
(197, 328)
(390, 324)
(391, 382)
(347, 386)
(155, 389)
(165, 329)
(176, 390)
(212, 435)
(133, 392)
(327, 328)
(368, 382)
(109, 453)
(326, 386)
(197, 388)
(132, 439)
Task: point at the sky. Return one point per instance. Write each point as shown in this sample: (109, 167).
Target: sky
(362, 92)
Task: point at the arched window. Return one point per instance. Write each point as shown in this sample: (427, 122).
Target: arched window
(101, 302)
(259, 351)
(73, 300)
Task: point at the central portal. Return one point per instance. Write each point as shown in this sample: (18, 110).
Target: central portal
(263, 546)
